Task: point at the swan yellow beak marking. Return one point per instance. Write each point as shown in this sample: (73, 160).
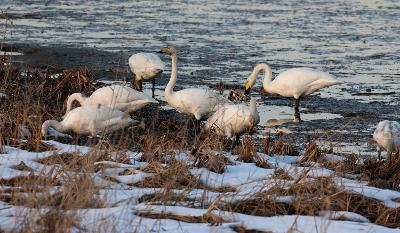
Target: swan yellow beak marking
(165, 50)
(251, 125)
(247, 85)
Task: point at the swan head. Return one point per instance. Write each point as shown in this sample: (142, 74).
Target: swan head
(168, 50)
(248, 86)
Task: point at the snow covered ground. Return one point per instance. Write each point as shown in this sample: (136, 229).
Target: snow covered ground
(125, 210)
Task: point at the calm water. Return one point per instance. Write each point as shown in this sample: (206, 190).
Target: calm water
(357, 41)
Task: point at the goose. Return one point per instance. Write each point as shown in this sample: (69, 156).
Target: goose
(119, 97)
(145, 66)
(295, 82)
(234, 120)
(387, 137)
(197, 102)
(90, 119)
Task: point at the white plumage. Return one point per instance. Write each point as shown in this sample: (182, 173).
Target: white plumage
(119, 97)
(90, 119)
(387, 137)
(234, 119)
(146, 66)
(200, 103)
(296, 82)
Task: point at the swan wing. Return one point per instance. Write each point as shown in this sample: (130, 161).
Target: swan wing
(197, 101)
(146, 64)
(230, 119)
(117, 94)
(387, 134)
(301, 81)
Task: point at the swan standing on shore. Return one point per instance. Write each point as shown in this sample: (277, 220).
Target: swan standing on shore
(119, 97)
(296, 83)
(387, 137)
(234, 119)
(145, 66)
(90, 119)
(200, 103)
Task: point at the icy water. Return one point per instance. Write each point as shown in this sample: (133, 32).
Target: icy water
(357, 41)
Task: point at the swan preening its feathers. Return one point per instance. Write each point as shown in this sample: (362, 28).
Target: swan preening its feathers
(234, 119)
(146, 66)
(296, 82)
(387, 137)
(119, 97)
(200, 103)
(91, 120)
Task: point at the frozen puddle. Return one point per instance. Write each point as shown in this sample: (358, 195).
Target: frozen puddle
(5, 53)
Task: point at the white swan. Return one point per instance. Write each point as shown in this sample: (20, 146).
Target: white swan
(200, 103)
(234, 119)
(387, 137)
(90, 119)
(119, 97)
(145, 66)
(296, 82)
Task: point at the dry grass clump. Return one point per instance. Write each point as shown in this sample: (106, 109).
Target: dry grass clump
(176, 175)
(382, 174)
(312, 153)
(281, 174)
(242, 229)
(83, 163)
(206, 218)
(260, 204)
(281, 146)
(55, 221)
(247, 153)
(166, 197)
(32, 144)
(314, 196)
(33, 97)
(213, 162)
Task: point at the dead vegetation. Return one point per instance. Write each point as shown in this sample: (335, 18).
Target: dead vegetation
(37, 96)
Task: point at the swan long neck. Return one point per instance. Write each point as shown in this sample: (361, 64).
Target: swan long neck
(78, 97)
(171, 84)
(253, 107)
(54, 124)
(267, 74)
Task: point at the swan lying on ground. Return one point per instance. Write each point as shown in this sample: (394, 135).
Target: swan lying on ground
(200, 103)
(145, 66)
(234, 119)
(119, 97)
(387, 137)
(90, 119)
(296, 83)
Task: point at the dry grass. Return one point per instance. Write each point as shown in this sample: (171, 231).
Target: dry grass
(35, 97)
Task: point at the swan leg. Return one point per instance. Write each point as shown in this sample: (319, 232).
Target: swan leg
(296, 110)
(153, 82)
(379, 154)
(237, 139)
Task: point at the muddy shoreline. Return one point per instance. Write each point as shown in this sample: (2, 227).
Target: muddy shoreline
(354, 127)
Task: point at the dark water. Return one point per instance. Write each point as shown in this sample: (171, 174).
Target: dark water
(357, 41)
